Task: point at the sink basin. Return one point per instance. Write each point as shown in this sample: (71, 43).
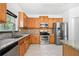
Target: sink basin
(16, 36)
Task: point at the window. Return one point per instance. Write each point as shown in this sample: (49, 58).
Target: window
(8, 26)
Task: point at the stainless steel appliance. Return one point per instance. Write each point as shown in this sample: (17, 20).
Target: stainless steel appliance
(43, 24)
(60, 29)
(44, 38)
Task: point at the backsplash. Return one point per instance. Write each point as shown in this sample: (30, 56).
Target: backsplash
(9, 34)
(5, 35)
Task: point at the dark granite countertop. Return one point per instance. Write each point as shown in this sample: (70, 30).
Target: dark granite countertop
(9, 41)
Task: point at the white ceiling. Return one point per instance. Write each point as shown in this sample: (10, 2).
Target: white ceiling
(46, 8)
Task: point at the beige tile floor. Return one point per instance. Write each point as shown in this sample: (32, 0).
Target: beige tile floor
(44, 50)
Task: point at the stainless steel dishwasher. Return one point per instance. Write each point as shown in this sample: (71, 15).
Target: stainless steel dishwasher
(12, 52)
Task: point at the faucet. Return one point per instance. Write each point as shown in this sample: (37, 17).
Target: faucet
(13, 29)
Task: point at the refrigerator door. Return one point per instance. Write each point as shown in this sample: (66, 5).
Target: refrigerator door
(60, 31)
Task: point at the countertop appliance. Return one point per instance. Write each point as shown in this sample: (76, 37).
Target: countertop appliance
(60, 29)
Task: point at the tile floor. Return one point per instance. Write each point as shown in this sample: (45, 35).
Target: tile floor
(44, 50)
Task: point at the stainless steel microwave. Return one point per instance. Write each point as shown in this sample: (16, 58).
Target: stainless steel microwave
(43, 24)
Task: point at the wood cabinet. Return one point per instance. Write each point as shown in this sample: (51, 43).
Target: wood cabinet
(3, 8)
(43, 19)
(50, 23)
(31, 23)
(54, 20)
(51, 40)
(58, 19)
(34, 23)
(69, 51)
(35, 39)
(23, 20)
(23, 45)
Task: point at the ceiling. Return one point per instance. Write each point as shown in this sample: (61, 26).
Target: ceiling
(46, 8)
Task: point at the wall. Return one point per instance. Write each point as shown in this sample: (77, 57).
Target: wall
(76, 28)
(70, 17)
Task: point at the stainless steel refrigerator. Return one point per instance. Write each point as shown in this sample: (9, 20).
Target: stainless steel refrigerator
(60, 30)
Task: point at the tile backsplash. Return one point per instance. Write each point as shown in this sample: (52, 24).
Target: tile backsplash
(5, 35)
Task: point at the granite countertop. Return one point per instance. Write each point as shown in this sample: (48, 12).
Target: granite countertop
(72, 43)
(8, 41)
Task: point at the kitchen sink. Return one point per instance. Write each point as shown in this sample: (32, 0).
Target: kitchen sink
(18, 36)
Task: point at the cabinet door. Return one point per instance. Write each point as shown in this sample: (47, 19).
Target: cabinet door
(58, 19)
(31, 22)
(43, 19)
(21, 50)
(28, 22)
(35, 39)
(50, 22)
(21, 20)
(25, 21)
(36, 23)
(2, 12)
(51, 39)
(21, 47)
(27, 42)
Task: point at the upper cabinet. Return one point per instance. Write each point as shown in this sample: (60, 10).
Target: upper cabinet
(3, 7)
(50, 22)
(43, 19)
(23, 20)
(34, 22)
(53, 20)
(58, 19)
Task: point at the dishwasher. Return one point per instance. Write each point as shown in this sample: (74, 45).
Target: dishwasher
(12, 52)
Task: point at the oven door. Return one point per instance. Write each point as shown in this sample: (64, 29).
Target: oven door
(44, 39)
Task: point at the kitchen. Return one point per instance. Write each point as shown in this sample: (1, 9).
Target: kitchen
(37, 29)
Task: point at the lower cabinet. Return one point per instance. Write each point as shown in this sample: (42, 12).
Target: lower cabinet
(35, 39)
(69, 51)
(51, 39)
(23, 45)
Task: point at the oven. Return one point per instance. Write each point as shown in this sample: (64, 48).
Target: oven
(44, 38)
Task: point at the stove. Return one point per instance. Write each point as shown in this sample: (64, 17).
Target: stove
(44, 38)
